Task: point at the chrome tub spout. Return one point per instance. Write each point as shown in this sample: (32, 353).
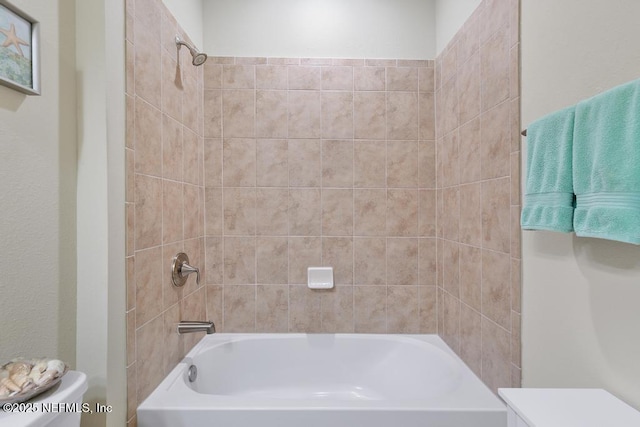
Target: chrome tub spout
(185, 327)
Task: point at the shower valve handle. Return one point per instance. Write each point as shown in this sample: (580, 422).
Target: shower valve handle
(180, 270)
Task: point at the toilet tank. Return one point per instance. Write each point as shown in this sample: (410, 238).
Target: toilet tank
(61, 406)
(565, 407)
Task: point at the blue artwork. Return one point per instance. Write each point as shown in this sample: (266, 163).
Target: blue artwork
(15, 48)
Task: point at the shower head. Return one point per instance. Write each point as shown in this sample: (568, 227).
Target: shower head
(198, 57)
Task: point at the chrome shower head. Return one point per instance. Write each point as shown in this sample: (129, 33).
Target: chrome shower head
(199, 58)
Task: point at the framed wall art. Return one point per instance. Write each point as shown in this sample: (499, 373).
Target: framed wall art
(19, 50)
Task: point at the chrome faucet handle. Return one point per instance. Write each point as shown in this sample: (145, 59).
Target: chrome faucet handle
(187, 269)
(180, 270)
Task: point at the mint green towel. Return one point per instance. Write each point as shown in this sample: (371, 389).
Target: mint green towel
(606, 165)
(548, 198)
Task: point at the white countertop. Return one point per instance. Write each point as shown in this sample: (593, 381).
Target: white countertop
(560, 407)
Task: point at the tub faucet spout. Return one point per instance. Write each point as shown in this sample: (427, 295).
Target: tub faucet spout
(185, 327)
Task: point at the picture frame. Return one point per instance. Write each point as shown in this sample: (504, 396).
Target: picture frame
(19, 50)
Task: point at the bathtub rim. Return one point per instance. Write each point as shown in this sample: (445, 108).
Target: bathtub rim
(364, 356)
(472, 395)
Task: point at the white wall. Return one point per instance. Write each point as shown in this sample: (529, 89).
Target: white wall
(189, 15)
(52, 271)
(37, 218)
(101, 331)
(450, 16)
(320, 28)
(581, 296)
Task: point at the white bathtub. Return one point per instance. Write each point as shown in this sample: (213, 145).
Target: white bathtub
(287, 380)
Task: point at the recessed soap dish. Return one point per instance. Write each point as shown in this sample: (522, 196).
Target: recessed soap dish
(320, 277)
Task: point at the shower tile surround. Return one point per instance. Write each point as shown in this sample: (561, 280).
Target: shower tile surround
(401, 174)
(320, 162)
(164, 195)
(478, 193)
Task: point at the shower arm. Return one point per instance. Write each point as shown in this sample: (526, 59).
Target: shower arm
(180, 42)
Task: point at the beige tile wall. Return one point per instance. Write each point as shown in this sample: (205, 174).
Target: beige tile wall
(320, 162)
(478, 193)
(261, 167)
(164, 195)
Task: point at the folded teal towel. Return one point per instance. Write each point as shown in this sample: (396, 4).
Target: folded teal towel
(548, 198)
(606, 165)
